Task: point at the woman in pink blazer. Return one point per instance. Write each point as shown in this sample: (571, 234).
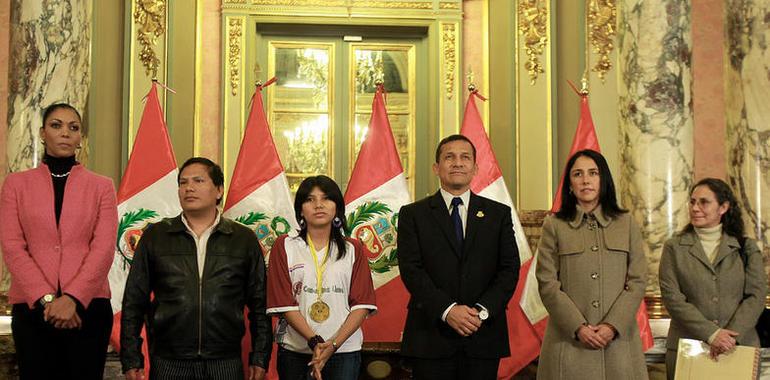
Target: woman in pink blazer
(58, 225)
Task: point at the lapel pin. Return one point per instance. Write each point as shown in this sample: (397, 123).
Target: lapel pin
(480, 214)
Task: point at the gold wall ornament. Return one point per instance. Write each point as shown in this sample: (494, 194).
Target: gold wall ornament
(150, 15)
(602, 16)
(447, 5)
(314, 3)
(533, 26)
(448, 37)
(234, 34)
(394, 4)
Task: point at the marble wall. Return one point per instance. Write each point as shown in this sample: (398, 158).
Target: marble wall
(656, 138)
(748, 112)
(49, 63)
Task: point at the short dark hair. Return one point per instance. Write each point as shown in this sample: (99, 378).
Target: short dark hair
(449, 139)
(732, 220)
(332, 190)
(214, 171)
(53, 107)
(607, 197)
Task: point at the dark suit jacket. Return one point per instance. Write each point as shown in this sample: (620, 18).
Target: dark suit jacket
(438, 272)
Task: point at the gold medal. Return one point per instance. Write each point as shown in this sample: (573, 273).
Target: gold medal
(319, 311)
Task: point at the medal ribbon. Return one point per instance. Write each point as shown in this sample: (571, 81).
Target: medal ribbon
(319, 270)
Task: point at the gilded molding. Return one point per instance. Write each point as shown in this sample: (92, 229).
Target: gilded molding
(235, 1)
(444, 5)
(533, 25)
(150, 16)
(393, 4)
(315, 3)
(235, 31)
(602, 16)
(448, 38)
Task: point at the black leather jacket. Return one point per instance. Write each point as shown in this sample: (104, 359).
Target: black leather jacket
(190, 318)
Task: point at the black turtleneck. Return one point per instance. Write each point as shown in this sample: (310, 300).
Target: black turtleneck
(59, 166)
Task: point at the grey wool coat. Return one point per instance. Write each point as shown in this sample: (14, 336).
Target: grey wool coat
(702, 297)
(591, 270)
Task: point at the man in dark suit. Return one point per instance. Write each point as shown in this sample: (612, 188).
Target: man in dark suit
(459, 261)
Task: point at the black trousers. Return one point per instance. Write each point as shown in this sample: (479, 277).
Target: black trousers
(45, 352)
(210, 369)
(459, 367)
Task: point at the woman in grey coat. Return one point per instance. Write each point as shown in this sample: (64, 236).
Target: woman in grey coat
(591, 272)
(712, 291)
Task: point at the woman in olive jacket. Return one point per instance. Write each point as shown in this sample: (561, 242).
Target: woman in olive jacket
(711, 292)
(591, 273)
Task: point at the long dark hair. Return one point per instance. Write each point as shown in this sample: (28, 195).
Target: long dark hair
(607, 197)
(732, 220)
(330, 188)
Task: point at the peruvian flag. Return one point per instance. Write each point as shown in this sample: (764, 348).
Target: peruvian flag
(524, 339)
(585, 138)
(259, 195)
(375, 193)
(147, 193)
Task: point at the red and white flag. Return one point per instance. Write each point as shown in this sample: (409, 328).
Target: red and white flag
(147, 193)
(259, 195)
(488, 182)
(375, 194)
(585, 138)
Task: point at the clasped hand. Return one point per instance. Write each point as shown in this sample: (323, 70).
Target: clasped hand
(321, 354)
(463, 319)
(596, 337)
(62, 313)
(723, 342)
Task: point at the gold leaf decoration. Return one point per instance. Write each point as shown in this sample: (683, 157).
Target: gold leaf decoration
(394, 4)
(150, 16)
(602, 16)
(533, 26)
(234, 52)
(448, 37)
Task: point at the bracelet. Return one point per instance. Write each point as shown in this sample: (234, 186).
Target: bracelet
(312, 342)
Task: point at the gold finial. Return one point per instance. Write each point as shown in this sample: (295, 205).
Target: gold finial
(584, 85)
(257, 72)
(471, 85)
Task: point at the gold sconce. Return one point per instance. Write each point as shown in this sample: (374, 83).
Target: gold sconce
(602, 16)
(150, 15)
(533, 26)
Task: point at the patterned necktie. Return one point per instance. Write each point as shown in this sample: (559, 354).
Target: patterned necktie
(456, 202)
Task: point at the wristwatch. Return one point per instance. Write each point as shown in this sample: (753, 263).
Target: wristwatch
(483, 313)
(46, 299)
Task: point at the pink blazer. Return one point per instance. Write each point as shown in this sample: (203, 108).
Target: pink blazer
(77, 255)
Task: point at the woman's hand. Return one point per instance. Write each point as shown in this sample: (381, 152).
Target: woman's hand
(321, 354)
(62, 313)
(722, 343)
(606, 331)
(590, 338)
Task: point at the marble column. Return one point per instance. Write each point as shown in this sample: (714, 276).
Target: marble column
(49, 63)
(656, 138)
(748, 112)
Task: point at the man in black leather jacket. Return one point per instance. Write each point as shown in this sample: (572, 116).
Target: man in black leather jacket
(190, 279)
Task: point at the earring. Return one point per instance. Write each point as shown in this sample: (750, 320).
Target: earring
(301, 222)
(570, 190)
(337, 222)
(42, 142)
(79, 146)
